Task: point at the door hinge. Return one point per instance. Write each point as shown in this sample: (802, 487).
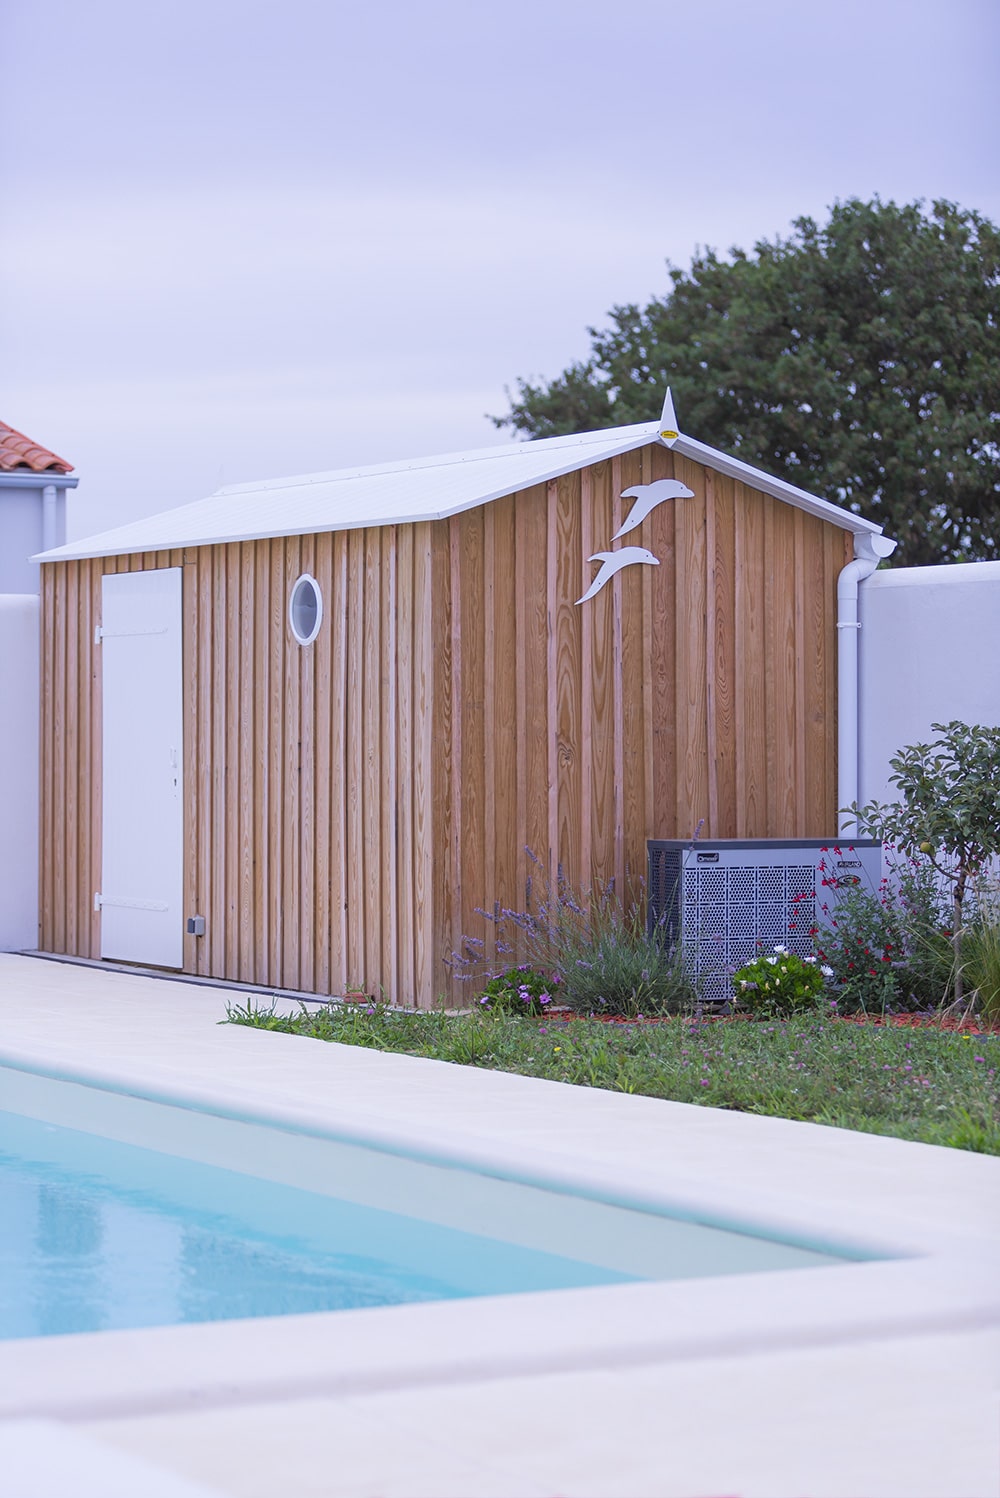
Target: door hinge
(98, 633)
(98, 901)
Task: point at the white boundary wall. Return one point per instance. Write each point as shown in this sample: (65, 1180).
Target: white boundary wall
(929, 652)
(19, 668)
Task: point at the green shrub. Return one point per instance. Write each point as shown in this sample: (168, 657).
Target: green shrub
(518, 990)
(598, 951)
(981, 953)
(890, 948)
(779, 983)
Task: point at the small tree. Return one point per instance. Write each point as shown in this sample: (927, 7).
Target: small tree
(949, 810)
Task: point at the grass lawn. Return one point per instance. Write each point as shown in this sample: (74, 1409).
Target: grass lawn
(936, 1086)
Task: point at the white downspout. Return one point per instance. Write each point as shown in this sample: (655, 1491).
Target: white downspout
(869, 550)
(50, 515)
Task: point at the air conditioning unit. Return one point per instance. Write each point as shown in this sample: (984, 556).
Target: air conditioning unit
(725, 900)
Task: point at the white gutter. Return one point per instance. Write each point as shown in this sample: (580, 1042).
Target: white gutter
(50, 518)
(869, 550)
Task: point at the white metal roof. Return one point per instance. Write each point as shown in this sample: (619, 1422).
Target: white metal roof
(400, 493)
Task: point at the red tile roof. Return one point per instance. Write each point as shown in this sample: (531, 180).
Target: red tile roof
(18, 451)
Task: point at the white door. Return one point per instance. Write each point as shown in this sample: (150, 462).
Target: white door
(142, 879)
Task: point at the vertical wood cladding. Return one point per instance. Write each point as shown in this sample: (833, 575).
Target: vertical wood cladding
(351, 805)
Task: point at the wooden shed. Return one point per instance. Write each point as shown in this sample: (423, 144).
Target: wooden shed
(328, 816)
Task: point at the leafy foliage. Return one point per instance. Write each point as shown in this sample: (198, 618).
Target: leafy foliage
(949, 809)
(858, 359)
(981, 953)
(518, 990)
(779, 982)
(889, 947)
(597, 949)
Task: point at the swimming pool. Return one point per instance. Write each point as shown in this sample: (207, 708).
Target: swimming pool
(122, 1212)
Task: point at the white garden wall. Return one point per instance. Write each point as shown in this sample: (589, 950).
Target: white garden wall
(929, 652)
(18, 771)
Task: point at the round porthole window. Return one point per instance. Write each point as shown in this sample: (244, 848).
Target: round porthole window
(305, 609)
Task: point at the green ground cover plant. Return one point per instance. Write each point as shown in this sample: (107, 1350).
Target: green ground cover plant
(778, 983)
(939, 1087)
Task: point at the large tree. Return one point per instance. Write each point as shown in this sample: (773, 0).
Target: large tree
(859, 359)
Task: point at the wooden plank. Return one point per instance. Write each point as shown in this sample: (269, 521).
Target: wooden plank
(663, 647)
(779, 553)
(648, 702)
(568, 676)
(338, 767)
(95, 798)
(307, 794)
(585, 876)
(261, 758)
(532, 753)
(617, 682)
(471, 612)
(599, 670)
(47, 758)
(57, 830)
(722, 645)
(490, 895)
(634, 670)
(425, 732)
(508, 853)
(372, 788)
(799, 663)
(355, 888)
(389, 961)
(322, 650)
(71, 810)
(217, 920)
(750, 714)
(812, 649)
(711, 657)
(552, 677)
(445, 762)
(206, 772)
(405, 767)
(456, 601)
(246, 933)
(231, 696)
(277, 729)
(291, 803)
(692, 753)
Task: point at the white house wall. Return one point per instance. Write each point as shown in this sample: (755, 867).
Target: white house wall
(929, 653)
(18, 771)
(22, 533)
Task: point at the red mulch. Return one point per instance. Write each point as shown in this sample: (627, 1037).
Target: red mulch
(970, 1025)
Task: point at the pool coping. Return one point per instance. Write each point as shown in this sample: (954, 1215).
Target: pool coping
(945, 1225)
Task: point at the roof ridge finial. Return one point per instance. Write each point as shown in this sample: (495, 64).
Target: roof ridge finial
(669, 431)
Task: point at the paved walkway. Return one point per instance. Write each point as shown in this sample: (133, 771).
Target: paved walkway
(872, 1379)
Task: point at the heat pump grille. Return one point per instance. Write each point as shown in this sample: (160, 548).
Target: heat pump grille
(728, 911)
(725, 901)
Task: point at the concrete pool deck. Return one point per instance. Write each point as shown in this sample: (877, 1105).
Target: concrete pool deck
(871, 1378)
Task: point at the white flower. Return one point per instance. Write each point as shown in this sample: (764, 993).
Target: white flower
(771, 960)
(782, 950)
(827, 972)
(808, 959)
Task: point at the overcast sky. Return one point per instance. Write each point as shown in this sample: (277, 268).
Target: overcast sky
(242, 240)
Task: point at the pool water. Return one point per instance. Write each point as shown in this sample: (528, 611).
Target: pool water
(96, 1234)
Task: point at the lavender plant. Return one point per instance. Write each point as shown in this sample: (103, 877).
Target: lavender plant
(593, 946)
